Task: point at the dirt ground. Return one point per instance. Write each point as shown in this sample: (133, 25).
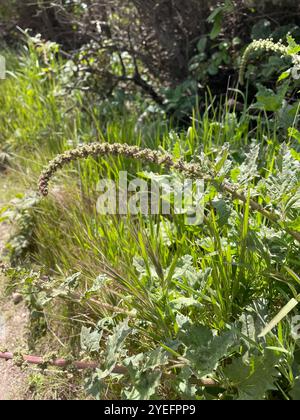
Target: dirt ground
(13, 320)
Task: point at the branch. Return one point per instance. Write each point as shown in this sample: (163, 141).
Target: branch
(81, 365)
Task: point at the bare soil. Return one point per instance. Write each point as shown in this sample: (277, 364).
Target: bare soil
(13, 320)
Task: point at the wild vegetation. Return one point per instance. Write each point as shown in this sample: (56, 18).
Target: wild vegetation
(167, 310)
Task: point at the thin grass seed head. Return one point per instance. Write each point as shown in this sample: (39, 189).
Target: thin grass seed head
(116, 149)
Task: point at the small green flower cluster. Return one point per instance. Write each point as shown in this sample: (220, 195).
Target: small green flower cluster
(116, 149)
(261, 45)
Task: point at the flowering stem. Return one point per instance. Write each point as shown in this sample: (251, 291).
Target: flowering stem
(192, 170)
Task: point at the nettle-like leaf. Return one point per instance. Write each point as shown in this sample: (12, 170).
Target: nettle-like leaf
(71, 282)
(90, 340)
(204, 350)
(98, 284)
(95, 385)
(183, 384)
(283, 185)
(182, 302)
(145, 371)
(144, 270)
(145, 386)
(166, 232)
(270, 101)
(253, 378)
(115, 344)
(249, 168)
(252, 321)
(223, 209)
(185, 271)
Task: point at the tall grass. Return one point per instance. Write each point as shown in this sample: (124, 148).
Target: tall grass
(156, 268)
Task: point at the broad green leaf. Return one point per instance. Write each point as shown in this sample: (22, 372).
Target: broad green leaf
(254, 378)
(183, 302)
(90, 340)
(95, 386)
(258, 383)
(185, 271)
(269, 100)
(145, 386)
(145, 370)
(204, 349)
(115, 343)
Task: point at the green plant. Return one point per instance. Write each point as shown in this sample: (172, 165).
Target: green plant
(140, 295)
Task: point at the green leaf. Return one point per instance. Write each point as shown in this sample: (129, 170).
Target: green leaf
(145, 387)
(269, 100)
(294, 133)
(71, 282)
(186, 272)
(255, 377)
(201, 46)
(294, 225)
(145, 370)
(249, 168)
(227, 7)
(95, 386)
(155, 358)
(115, 343)
(90, 340)
(211, 18)
(293, 48)
(295, 392)
(223, 211)
(204, 350)
(284, 75)
(97, 285)
(218, 20)
(184, 385)
(183, 302)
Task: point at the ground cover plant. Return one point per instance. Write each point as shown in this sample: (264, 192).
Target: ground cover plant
(165, 309)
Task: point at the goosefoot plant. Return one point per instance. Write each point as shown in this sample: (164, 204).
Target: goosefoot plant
(268, 45)
(192, 170)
